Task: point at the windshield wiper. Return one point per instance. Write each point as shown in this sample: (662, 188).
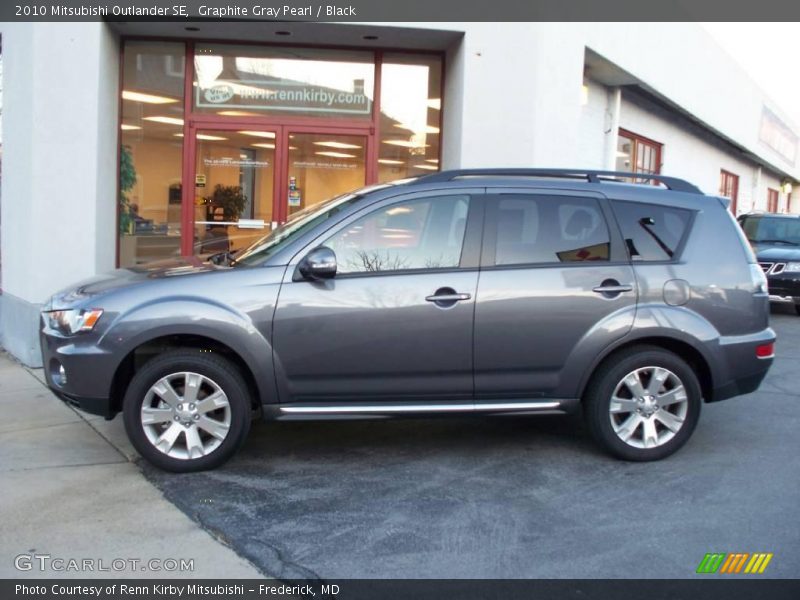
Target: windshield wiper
(787, 242)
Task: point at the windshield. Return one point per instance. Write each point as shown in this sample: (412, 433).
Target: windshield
(297, 225)
(772, 230)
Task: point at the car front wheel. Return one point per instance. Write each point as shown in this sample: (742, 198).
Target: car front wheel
(643, 403)
(187, 410)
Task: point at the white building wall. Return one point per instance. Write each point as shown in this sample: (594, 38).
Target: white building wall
(688, 152)
(690, 156)
(532, 73)
(59, 167)
(594, 125)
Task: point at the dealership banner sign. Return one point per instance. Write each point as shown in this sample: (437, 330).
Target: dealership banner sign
(282, 96)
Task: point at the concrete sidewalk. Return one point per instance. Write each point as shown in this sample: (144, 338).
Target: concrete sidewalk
(70, 489)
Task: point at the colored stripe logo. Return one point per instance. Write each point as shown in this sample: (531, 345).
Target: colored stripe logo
(735, 562)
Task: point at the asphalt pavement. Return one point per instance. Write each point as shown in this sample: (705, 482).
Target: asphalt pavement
(510, 497)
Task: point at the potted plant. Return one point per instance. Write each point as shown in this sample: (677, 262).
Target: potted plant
(127, 179)
(230, 198)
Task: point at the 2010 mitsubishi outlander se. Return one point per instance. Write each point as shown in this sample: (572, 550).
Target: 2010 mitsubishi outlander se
(495, 291)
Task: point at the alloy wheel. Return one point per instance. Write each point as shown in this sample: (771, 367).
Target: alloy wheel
(186, 415)
(648, 407)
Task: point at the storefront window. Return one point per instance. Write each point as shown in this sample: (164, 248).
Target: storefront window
(411, 90)
(151, 152)
(261, 81)
(322, 166)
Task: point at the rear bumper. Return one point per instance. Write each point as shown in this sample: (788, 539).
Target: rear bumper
(745, 371)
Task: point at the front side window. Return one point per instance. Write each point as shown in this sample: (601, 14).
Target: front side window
(546, 229)
(418, 234)
(651, 232)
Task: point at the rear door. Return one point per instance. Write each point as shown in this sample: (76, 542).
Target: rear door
(556, 287)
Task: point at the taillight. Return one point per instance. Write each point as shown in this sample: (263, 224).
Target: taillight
(765, 350)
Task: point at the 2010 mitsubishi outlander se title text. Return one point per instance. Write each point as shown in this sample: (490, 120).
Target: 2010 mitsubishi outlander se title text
(494, 291)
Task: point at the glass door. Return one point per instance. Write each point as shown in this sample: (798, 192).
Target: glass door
(234, 188)
(321, 166)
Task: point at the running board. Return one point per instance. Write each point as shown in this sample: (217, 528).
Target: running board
(373, 410)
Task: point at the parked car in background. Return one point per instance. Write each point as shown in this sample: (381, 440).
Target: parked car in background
(776, 242)
(493, 292)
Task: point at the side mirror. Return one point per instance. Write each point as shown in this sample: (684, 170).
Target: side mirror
(318, 264)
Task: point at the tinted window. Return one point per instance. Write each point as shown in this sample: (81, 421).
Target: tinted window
(651, 232)
(547, 229)
(419, 234)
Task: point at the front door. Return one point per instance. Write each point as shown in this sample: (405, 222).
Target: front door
(556, 288)
(248, 179)
(396, 321)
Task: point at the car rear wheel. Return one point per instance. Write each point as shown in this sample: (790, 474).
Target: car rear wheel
(643, 403)
(797, 308)
(187, 410)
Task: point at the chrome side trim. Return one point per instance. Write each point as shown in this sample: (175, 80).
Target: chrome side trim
(378, 409)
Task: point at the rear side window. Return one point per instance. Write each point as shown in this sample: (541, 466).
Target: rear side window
(652, 232)
(549, 229)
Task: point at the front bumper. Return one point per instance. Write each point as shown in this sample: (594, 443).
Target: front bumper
(784, 286)
(85, 381)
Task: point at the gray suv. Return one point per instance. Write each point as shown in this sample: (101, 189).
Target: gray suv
(494, 292)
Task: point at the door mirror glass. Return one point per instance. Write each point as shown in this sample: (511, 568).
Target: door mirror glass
(318, 264)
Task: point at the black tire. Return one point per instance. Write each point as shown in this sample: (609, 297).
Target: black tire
(797, 309)
(221, 372)
(604, 382)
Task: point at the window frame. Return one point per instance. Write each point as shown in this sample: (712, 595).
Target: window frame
(773, 200)
(470, 249)
(724, 176)
(638, 140)
(617, 253)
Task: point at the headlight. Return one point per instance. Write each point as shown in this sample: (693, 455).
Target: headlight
(792, 267)
(73, 321)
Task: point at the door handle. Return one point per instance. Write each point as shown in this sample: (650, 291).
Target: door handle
(448, 297)
(612, 289)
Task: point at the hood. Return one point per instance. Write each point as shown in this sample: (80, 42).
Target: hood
(770, 253)
(121, 278)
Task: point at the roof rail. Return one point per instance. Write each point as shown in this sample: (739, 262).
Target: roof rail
(672, 183)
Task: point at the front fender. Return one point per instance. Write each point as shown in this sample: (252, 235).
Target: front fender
(197, 317)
